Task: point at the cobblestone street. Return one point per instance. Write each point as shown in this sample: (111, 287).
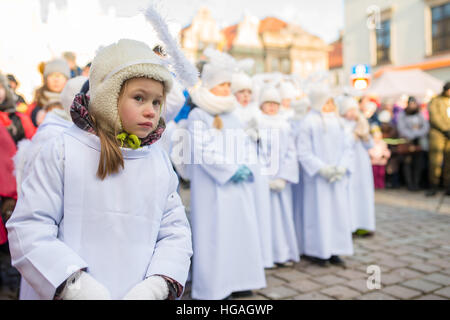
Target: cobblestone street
(411, 247)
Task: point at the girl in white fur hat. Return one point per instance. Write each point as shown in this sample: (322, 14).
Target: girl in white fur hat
(228, 257)
(325, 153)
(277, 150)
(361, 181)
(100, 216)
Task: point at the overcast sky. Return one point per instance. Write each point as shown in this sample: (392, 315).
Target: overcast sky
(320, 17)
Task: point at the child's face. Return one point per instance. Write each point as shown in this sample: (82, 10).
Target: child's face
(329, 106)
(244, 97)
(56, 82)
(270, 108)
(286, 103)
(351, 114)
(221, 90)
(140, 105)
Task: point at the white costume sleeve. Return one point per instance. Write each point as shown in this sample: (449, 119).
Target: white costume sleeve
(42, 259)
(173, 249)
(204, 147)
(289, 167)
(310, 163)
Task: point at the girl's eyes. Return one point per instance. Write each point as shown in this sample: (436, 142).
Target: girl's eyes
(139, 98)
(156, 103)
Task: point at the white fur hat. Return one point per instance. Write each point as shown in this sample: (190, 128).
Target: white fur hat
(57, 65)
(345, 103)
(241, 81)
(269, 94)
(319, 95)
(287, 90)
(301, 106)
(111, 67)
(72, 87)
(213, 75)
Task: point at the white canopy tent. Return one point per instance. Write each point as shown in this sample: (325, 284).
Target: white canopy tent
(415, 82)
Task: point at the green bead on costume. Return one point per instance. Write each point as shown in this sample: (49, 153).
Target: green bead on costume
(130, 140)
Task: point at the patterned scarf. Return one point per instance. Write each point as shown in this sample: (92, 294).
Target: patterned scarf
(82, 119)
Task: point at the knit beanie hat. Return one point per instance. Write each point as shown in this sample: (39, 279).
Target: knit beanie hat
(213, 75)
(287, 91)
(72, 87)
(319, 95)
(345, 103)
(269, 94)
(57, 65)
(111, 67)
(241, 81)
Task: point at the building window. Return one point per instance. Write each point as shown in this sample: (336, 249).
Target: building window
(383, 35)
(441, 27)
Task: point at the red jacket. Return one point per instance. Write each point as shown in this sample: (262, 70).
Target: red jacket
(7, 179)
(27, 124)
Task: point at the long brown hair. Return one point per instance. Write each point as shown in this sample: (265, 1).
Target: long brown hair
(111, 157)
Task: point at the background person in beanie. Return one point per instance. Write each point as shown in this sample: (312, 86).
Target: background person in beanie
(325, 153)
(223, 214)
(71, 59)
(277, 149)
(127, 237)
(18, 124)
(361, 180)
(439, 154)
(56, 73)
(14, 84)
(413, 127)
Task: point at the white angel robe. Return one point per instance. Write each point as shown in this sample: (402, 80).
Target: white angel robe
(122, 229)
(278, 150)
(297, 191)
(260, 186)
(225, 233)
(52, 126)
(362, 190)
(322, 141)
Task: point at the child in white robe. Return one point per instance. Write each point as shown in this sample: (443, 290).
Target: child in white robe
(277, 148)
(100, 216)
(325, 153)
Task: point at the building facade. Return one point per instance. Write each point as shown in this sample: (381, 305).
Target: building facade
(398, 35)
(274, 45)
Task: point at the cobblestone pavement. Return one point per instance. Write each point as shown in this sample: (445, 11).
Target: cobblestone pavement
(411, 247)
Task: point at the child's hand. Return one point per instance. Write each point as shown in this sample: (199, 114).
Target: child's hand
(152, 288)
(82, 286)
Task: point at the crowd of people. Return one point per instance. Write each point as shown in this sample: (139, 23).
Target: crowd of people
(279, 170)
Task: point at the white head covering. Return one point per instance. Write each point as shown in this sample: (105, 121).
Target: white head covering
(319, 95)
(241, 81)
(57, 65)
(300, 107)
(345, 103)
(213, 75)
(269, 94)
(287, 90)
(72, 88)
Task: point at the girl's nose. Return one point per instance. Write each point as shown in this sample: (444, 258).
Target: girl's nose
(149, 112)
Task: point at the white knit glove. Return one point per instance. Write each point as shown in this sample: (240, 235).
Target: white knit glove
(327, 172)
(82, 286)
(277, 185)
(339, 174)
(152, 288)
